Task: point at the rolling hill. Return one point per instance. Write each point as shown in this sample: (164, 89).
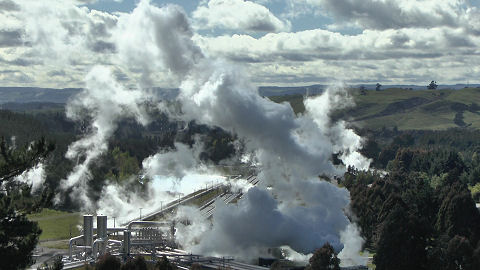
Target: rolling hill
(407, 109)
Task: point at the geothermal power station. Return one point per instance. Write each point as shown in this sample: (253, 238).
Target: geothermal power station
(152, 235)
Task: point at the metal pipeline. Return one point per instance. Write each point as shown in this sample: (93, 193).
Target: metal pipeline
(95, 247)
(70, 243)
(129, 227)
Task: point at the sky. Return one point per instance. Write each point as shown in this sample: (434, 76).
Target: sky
(55, 43)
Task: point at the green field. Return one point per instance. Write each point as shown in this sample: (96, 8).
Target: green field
(57, 225)
(407, 109)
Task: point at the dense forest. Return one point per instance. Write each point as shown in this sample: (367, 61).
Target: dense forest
(129, 146)
(417, 210)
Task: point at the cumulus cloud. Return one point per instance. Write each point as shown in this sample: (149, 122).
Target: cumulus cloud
(59, 34)
(392, 14)
(237, 15)
(79, 37)
(146, 42)
(15, 76)
(10, 38)
(323, 44)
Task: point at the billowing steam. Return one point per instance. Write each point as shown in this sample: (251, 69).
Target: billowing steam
(290, 207)
(35, 177)
(176, 162)
(105, 102)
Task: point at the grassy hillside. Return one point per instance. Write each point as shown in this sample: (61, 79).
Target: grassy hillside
(57, 225)
(407, 109)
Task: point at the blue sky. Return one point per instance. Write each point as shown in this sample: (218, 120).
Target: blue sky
(280, 42)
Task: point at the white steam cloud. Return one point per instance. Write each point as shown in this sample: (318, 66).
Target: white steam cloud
(35, 177)
(105, 102)
(176, 163)
(298, 210)
(124, 205)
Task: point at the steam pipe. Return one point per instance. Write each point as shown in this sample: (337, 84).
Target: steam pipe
(117, 229)
(95, 247)
(146, 223)
(70, 243)
(116, 242)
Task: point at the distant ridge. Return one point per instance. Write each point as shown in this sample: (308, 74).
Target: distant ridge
(36, 94)
(268, 91)
(52, 95)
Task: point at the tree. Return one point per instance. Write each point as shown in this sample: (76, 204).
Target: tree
(402, 241)
(459, 254)
(164, 264)
(433, 85)
(363, 91)
(138, 263)
(458, 214)
(378, 86)
(18, 235)
(108, 262)
(324, 258)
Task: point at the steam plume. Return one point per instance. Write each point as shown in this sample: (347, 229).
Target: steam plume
(297, 210)
(105, 102)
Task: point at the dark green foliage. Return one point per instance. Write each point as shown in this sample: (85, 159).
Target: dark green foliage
(421, 215)
(18, 236)
(432, 85)
(164, 264)
(108, 262)
(14, 162)
(138, 263)
(324, 258)
(457, 214)
(368, 200)
(459, 254)
(402, 240)
(476, 257)
(130, 144)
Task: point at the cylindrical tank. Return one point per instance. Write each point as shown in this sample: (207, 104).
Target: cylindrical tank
(88, 230)
(126, 242)
(102, 227)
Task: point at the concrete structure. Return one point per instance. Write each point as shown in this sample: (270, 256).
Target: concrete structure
(87, 230)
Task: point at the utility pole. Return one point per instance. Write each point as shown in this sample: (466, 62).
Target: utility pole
(141, 212)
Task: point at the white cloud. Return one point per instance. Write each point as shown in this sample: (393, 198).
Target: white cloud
(323, 44)
(313, 56)
(146, 43)
(237, 15)
(38, 37)
(391, 14)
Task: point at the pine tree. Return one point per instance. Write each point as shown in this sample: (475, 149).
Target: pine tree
(18, 235)
(324, 258)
